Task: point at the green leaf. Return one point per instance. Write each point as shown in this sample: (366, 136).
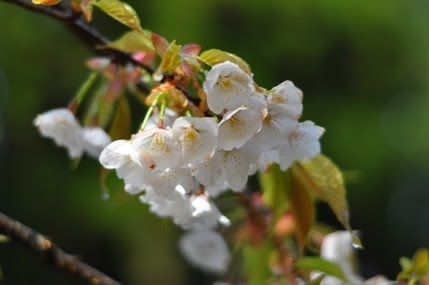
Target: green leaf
(4, 238)
(120, 11)
(416, 269)
(323, 177)
(121, 124)
(133, 41)
(405, 263)
(281, 192)
(104, 110)
(322, 265)
(171, 58)
(256, 263)
(214, 56)
(275, 184)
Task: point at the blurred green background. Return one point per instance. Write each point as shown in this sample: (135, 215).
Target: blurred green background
(364, 69)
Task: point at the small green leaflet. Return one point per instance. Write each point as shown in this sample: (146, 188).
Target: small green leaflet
(120, 11)
(322, 265)
(132, 42)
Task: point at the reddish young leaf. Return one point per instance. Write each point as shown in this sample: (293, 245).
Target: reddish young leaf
(160, 43)
(121, 124)
(302, 207)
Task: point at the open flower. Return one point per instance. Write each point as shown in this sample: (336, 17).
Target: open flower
(228, 87)
(303, 143)
(337, 247)
(178, 207)
(238, 126)
(205, 215)
(197, 137)
(95, 139)
(62, 126)
(225, 166)
(156, 149)
(117, 155)
(288, 97)
(276, 125)
(205, 249)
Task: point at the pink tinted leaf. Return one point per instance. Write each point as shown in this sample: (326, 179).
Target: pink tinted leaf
(191, 49)
(160, 44)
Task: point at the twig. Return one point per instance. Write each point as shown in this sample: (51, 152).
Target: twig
(50, 251)
(88, 34)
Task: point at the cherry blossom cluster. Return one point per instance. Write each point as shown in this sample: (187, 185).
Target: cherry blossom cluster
(179, 165)
(188, 160)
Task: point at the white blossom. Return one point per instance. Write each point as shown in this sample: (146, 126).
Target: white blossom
(168, 119)
(228, 87)
(276, 126)
(379, 280)
(238, 126)
(156, 149)
(303, 143)
(205, 249)
(210, 173)
(197, 137)
(117, 155)
(215, 190)
(62, 126)
(179, 207)
(337, 247)
(205, 215)
(288, 97)
(225, 166)
(95, 139)
(164, 183)
(134, 176)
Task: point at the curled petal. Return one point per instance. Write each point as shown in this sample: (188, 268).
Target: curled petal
(206, 250)
(95, 139)
(116, 154)
(62, 126)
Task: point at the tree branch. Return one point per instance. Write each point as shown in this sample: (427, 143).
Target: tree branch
(88, 34)
(50, 251)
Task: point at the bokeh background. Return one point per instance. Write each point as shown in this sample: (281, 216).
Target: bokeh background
(363, 66)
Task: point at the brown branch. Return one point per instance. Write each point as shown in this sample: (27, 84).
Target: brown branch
(88, 34)
(50, 251)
